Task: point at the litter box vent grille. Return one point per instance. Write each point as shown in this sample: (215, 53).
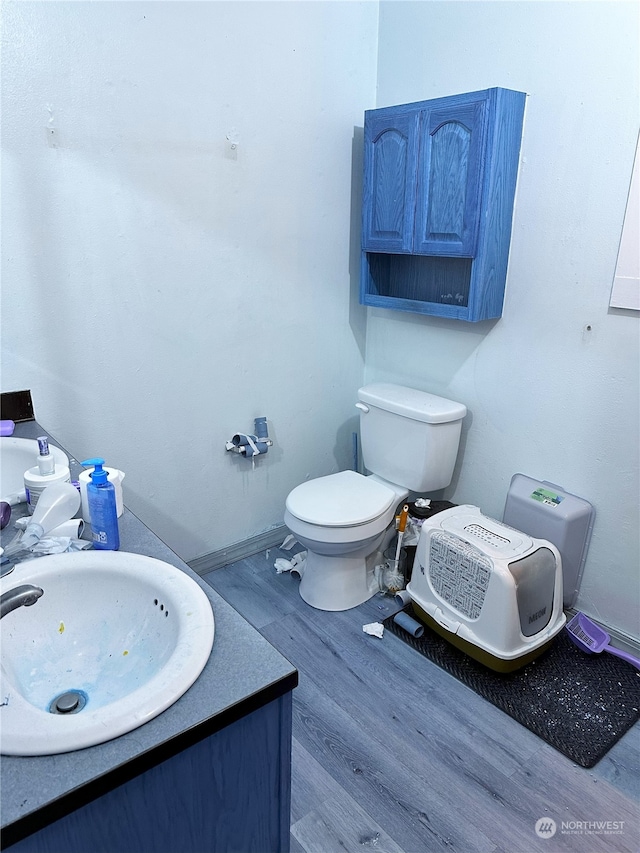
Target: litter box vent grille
(459, 573)
(485, 535)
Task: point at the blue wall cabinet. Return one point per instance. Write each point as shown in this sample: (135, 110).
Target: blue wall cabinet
(438, 193)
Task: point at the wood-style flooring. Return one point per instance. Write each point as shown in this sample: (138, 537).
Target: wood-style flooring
(391, 753)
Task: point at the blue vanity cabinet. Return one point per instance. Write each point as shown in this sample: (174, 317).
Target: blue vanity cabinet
(229, 792)
(438, 192)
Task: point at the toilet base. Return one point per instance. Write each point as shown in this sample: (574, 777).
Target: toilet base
(339, 583)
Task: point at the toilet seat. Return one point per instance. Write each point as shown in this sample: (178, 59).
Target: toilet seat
(345, 499)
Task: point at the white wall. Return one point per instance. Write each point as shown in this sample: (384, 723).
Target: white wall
(158, 295)
(552, 388)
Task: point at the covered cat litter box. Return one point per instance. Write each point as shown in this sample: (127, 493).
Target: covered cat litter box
(545, 510)
(491, 591)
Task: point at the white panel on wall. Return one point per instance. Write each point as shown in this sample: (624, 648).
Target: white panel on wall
(625, 292)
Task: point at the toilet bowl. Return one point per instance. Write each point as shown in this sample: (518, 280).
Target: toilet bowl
(409, 441)
(342, 520)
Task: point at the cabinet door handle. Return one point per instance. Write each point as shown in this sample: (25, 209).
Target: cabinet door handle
(362, 407)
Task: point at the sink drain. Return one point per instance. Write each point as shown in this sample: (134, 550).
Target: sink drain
(69, 702)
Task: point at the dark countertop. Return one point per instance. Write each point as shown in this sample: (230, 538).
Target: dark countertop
(243, 673)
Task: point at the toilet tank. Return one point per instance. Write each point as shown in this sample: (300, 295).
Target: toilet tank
(409, 437)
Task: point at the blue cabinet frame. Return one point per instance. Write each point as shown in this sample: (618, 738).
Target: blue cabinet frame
(438, 193)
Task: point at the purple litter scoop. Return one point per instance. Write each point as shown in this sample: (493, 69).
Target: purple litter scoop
(592, 639)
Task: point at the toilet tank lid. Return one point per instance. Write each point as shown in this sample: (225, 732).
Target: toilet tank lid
(412, 403)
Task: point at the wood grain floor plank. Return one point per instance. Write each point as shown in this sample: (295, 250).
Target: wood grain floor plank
(620, 767)
(311, 785)
(340, 824)
(295, 846)
(574, 794)
(412, 807)
(252, 594)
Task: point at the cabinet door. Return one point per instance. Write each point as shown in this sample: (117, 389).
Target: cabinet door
(450, 179)
(389, 184)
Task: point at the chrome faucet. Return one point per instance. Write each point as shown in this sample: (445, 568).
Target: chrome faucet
(19, 596)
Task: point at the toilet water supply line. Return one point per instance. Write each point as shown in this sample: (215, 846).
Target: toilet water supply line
(251, 446)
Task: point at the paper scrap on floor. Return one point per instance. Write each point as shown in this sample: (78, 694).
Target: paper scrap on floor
(376, 629)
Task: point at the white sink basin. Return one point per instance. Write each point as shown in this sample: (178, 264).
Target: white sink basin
(126, 635)
(16, 456)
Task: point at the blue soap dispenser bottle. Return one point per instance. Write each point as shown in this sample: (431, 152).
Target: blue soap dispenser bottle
(101, 497)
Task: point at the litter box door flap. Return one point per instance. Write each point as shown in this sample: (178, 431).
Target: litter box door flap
(535, 588)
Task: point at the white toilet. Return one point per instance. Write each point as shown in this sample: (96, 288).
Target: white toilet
(409, 442)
